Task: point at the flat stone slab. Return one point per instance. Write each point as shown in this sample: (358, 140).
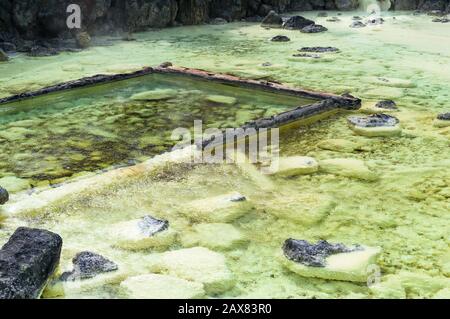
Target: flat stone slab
(303, 208)
(214, 236)
(155, 95)
(221, 99)
(143, 234)
(339, 145)
(376, 125)
(348, 167)
(219, 209)
(27, 261)
(334, 262)
(296, 165)
(197, 264)
(154, 286)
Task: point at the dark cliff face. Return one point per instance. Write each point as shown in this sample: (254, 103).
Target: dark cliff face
(32, 19)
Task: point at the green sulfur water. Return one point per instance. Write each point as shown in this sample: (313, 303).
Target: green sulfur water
(405, 211)
(51, 138)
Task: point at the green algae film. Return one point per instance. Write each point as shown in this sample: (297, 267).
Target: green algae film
(53, 137)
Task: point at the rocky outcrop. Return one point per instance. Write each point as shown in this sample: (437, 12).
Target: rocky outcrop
(27, 261)
(88, 265)
(4, 196)
(3, 56)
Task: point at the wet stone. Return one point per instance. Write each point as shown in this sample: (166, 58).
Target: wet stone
(356, 18)
(319, 49)
(387, 104)
(280, 38)
(357, 24)
(88, 265)
(150, 226)
(375, 21)
(297, 23)
(272, 20)
(306, 55)
(444, 116)
(322, 14)
(312, 255)
(4, 196)
(315, 28)
(376, 120)
(333, 19)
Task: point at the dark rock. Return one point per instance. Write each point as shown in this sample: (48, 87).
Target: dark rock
(4, 196)
(356, 18)
(374, 21)
(387, 104)
(333, 19)
(27, 261)
(8, 46)
(307, 55)
(312, 255)
(254, 19)
(444, 116)
(376, 120)
(357, 24)
(40, 51)
(297, 23)
(346, 5)
(88, 265)
(322, 14)
(267, 64)
(436, 13)
(219, 21)
(150, 226)
(314, 28)
(319, 49)
(165, 65)
(280, 38)
(83, 40)
(3, 56)
(433, 5)
(238, 198)
(441, 20)
(272, 20)
(405, 5)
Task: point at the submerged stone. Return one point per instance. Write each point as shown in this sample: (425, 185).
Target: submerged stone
(319, 49)
(4, 196)
(303, 208)
(333, 19)
(307, 55)
(442, 120)
(280, 38)
(315, 28)
(374, 21)
(27, 261)
(297, 165)
(142, 234)
(214, 236)
(387, 104)
(297, 23)
(154, 286)
(376, 125)
(322, 14)
(199, 265)
(14, 184)
(272, 20)
(339, 145)
(329, 261)
(348, 167)
(219, 209)
(357, 24)
(221, 99)
(155, 95)
(87, 265)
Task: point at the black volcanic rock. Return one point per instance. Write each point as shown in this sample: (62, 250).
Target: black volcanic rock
(387, 104)
(280, 38)
(297, 23)
(314, 28)
(88, 265)
(272, 20)
(312, 255)
(4, 196)
(27, 261)
(319, 49)
(444, 116)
